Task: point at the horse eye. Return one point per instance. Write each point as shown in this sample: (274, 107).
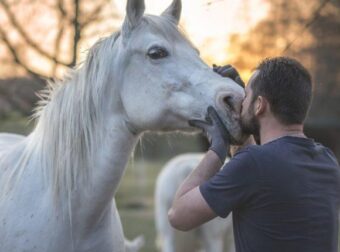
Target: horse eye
(157, 53)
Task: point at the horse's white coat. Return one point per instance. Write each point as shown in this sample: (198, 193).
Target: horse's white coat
(58, 184)
(212, 235)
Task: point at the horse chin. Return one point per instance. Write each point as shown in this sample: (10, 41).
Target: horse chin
(231, 121)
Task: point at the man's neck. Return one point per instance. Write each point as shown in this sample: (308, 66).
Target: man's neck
(272, 129)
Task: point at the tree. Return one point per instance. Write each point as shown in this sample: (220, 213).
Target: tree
(308, 30)
(44, 37)
(271, 36)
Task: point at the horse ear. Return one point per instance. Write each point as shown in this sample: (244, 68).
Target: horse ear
(134, 13)
(174, 11)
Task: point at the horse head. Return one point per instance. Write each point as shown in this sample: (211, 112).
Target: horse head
(165, 82)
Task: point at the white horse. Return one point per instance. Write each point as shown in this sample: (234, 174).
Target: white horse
(58, 184)
(135, 245)
(214, 235)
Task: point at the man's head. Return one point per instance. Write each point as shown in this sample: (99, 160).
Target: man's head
(282, 85)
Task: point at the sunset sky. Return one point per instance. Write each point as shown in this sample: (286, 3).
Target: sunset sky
(212, 20)
(208, 24)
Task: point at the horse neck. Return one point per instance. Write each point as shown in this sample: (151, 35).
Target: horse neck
(111, 159)
(82, 146)
(113, 156)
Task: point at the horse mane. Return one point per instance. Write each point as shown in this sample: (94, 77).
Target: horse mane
(68, 118)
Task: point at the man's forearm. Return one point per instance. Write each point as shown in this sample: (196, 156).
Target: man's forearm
(207, 168)
(189, 209)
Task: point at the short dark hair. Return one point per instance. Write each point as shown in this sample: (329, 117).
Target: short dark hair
(287, 86)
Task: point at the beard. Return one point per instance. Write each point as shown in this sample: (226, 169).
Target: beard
(250, 124)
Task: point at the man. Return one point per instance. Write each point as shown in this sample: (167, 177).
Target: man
(284, 193)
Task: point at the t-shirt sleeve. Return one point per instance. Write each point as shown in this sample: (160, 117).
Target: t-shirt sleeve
(233, 186)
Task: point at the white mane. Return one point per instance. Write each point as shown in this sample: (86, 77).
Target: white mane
(69, 116)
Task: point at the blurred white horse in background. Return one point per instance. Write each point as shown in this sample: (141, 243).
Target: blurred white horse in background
(58, 184)
(135, 245)
(213, 236)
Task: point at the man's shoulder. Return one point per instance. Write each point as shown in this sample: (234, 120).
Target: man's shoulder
(329, 153)
(246, 156)
(249, 151)
(277, 146)
(258, 155)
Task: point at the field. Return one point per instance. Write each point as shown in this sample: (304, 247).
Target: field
(135, 201)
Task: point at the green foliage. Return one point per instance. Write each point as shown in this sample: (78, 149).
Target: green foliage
(135, 201)
(16, 123)
(153, 146)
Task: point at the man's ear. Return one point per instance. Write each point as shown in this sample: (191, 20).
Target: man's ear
(261, 105)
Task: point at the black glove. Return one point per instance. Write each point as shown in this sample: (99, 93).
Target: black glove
(229, 72)
(216, 132)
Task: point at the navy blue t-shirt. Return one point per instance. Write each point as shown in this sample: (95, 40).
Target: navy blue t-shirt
(284, 196)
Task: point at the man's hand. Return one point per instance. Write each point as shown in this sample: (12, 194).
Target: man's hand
(216, 132)
(229, 72)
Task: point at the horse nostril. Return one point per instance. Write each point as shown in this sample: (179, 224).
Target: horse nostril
(229, 102)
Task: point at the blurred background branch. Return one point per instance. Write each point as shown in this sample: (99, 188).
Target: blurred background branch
(314, 18)
(14, 52)
(61, 23)
(28, 40)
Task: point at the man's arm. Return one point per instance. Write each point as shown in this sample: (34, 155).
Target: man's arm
(189, 208)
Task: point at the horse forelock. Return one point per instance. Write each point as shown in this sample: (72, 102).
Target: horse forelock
(165, 27)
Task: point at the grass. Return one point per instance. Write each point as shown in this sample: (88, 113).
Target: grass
(16, 123)
(135, 201)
